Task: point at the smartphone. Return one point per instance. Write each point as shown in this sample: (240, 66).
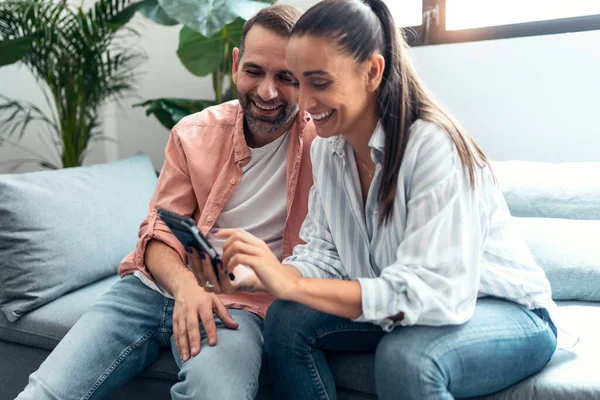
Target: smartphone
(185, 230)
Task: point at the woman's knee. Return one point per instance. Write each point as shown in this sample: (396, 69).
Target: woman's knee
(401, 366)
(289, 324)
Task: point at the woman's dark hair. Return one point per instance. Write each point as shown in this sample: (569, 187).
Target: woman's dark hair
(362, 28)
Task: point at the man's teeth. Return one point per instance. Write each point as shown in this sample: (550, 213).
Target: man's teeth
(267, 108)
(321, 116)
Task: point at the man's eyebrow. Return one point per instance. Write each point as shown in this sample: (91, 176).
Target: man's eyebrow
(252, 65)
(315, 72)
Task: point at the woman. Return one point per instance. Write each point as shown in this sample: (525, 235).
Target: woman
(408, 238)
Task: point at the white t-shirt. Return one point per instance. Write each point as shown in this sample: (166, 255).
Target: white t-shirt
(258, 204)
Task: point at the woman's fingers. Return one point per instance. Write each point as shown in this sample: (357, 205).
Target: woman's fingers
(212, 284)
(237, 247)
(195, 264)
(233, 235)
(227, 285)
(244, 259)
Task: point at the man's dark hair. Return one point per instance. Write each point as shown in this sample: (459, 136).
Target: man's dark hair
(279, 18)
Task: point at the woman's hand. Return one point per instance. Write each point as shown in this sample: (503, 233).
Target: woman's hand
(243, 248)
(201, 266)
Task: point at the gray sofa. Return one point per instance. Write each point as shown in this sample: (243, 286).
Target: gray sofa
(62, 234)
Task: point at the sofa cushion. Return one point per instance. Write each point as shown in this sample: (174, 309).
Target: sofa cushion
(569, 253)
(550, 190)
(45, 326)
(64, 229)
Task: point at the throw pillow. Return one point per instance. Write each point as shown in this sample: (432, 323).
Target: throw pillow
(64, 229)
(569, 253)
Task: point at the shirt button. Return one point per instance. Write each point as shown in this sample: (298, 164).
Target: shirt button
(209, 219)
(232, 181)
(236, 157)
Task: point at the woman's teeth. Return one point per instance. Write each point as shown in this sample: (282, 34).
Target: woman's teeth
(322, 116)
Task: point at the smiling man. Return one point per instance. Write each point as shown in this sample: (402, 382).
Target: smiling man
(242, 164)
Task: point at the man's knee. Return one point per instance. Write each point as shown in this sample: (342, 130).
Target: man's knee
(229, 370)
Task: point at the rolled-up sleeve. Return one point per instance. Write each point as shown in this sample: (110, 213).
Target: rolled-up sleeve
(435, 278)
(173, 192)
(318, 257)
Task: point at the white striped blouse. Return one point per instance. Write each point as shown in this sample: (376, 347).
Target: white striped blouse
(444, 246)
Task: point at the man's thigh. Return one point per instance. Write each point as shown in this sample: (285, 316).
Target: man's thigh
(228, 370)
(114, 340)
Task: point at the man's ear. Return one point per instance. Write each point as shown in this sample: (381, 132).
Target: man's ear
(235, 65)
(375, 68)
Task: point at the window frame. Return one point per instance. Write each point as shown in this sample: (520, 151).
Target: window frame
(436, 9)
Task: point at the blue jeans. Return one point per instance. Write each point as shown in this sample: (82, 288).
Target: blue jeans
(125, 331)
(502, 344)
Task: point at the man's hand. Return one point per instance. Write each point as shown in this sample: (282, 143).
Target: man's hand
(192, 304)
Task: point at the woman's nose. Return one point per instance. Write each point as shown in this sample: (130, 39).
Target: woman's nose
(305, 100)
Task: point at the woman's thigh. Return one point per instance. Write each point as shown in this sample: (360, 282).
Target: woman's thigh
(502, 344)
(290, 324)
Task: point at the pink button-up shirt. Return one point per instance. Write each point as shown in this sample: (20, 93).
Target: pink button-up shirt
(203, 165)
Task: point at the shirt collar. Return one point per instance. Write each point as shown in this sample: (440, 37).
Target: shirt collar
(377, 141)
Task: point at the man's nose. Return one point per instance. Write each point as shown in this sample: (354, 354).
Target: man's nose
(267, 89)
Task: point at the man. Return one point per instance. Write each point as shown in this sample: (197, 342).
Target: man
(242, 164)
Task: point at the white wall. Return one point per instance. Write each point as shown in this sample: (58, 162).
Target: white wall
(525, 98)
(533, 98)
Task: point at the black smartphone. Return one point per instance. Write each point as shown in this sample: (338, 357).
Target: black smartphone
(185, 230)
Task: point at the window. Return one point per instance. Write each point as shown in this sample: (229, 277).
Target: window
(466, 14)
(449, 21)
(406, 12)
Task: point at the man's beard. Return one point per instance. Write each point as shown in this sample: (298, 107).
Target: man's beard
(266, 125)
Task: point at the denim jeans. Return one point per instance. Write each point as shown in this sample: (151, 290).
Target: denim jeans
(125, 331)
(502, 344)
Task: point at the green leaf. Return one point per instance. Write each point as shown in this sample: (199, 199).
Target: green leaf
(152, 10)
(169, 111)
(210, 16)
(13, 50)
(203, 56)
(118, 20)
(80, 60)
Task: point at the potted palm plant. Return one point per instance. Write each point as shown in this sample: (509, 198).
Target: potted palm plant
(81, 59)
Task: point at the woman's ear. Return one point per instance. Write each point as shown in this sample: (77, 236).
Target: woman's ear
(375, 68)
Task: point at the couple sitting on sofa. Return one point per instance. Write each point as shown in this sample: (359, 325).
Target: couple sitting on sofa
(406, 249)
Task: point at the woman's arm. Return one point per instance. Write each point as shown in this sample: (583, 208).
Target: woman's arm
(332, 296)
(286, 282)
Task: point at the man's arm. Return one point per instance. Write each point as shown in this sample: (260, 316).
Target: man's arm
(166, 266)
